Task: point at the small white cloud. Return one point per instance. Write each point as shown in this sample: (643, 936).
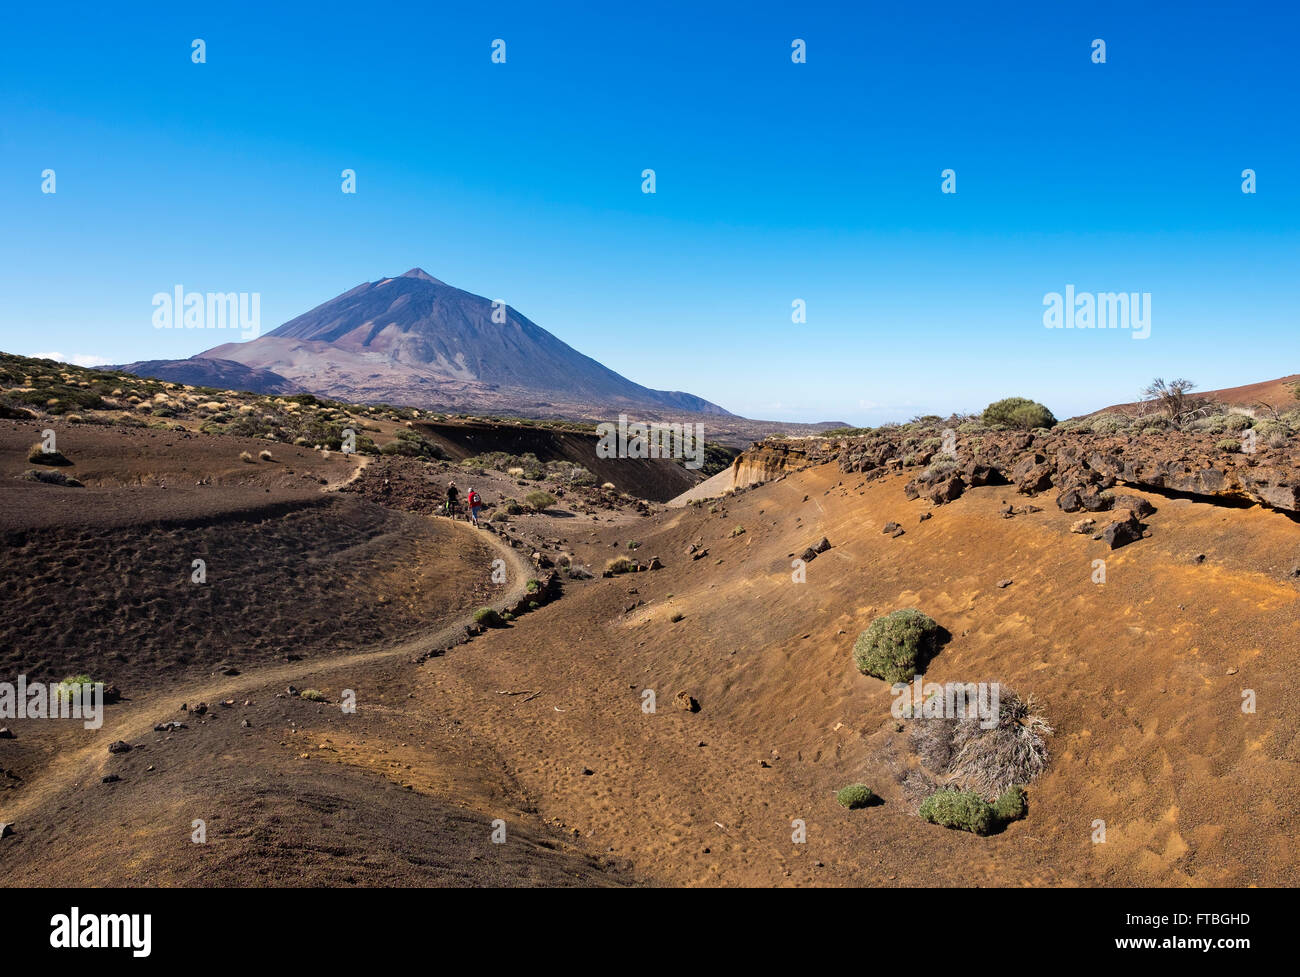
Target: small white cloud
(76, 359)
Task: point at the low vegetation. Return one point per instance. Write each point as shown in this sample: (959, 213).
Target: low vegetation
(1018, 413)
(958, 809)
(967, 811)
(987, 760)
(539, 501)
(856, 796)
(898, 645)
(39, 456)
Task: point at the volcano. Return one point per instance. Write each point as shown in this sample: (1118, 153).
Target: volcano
(415, 340)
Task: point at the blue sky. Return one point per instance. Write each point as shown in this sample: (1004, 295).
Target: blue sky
(775, 181)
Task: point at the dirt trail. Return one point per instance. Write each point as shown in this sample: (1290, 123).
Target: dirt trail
(362, 462)
(133, 721)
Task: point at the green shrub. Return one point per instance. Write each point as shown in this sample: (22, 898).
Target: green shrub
(1019, 413)
(939, 468)
(1012, 805)
(488, 618)
(620, 564)
(1230, 445)
(1152, 422)
(855, 796)
(897, 645)
(312, 695)
(1237, 422)
(71, 684)
(1210, 425)
(39, 456)
(539, 501)
(958, 809)
(1110, 423)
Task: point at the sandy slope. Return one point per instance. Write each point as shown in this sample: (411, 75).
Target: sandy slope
(541, 725)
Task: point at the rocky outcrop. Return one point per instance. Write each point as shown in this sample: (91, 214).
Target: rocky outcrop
(1078, 466)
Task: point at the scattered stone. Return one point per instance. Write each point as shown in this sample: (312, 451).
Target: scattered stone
(118, 746)
(6, 733)
(946, 491)
(1200, 558)
(890, 527)
(245, 724)
(112, 778)
(686, 702)
(654, 564)
(1232, 671)
(169, 727)
(1138, 506)
(1122, 532)
(1069, 501)
(200, 709)
(6, 830)
(1083, 526)
(925, 516)
(1096, 502)
(587, 772)
(1004, 584)
(897, 532)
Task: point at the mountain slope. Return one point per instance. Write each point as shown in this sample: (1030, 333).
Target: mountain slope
(1279, 394)
(416, 340)
(200, 371)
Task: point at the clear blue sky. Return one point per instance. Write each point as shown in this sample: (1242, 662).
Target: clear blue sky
(776, 181)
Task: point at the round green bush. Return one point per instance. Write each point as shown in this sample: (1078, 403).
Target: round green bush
(1012, 805)
(958, 809)
(539, 501)
(488, 618)
(855, 796)
(897, 645)
(1018, 412)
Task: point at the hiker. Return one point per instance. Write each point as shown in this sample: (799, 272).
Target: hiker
(452, 494)
(475, 503)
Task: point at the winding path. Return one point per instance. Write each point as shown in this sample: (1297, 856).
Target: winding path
(137, 719)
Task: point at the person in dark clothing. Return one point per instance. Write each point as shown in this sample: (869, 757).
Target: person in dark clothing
(452, 500)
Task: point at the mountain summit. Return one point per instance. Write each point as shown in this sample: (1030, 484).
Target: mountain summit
(416, 340)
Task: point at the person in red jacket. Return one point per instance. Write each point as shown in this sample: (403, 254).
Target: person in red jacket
(475, 503)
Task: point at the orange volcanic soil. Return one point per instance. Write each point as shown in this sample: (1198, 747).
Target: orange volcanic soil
(541, 725)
